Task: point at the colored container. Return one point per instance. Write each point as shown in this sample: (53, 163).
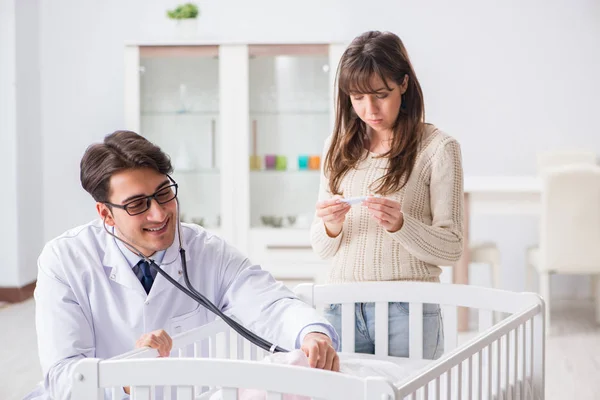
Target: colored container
(255, 163)
(302, 162)
(270, 161)
(314, 162)
(281, 163)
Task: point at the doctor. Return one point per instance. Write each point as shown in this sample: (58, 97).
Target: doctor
(95, 297)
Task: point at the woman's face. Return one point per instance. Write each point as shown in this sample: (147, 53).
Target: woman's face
(379, 110)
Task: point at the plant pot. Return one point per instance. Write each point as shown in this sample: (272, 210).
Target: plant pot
(186, 28)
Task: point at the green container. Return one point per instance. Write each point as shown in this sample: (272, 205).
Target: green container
(281, 163)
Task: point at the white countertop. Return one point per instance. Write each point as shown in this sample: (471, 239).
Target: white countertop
(502, 184)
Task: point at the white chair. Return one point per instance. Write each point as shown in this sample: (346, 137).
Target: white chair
(558, 158)
(570, 227)
(487, 253)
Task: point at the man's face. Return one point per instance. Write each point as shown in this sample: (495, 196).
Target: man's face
(150, 231)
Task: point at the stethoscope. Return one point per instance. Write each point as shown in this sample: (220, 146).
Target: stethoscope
(194, 294)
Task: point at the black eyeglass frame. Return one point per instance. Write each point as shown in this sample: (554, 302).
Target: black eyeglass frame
(173, 186)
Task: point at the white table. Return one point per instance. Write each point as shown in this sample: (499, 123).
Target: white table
(514, 195)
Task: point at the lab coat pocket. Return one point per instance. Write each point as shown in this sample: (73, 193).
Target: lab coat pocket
(185, 322)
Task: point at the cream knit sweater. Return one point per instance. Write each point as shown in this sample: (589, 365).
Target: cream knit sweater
(431, 202)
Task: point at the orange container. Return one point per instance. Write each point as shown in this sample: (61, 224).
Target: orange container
(314, 162)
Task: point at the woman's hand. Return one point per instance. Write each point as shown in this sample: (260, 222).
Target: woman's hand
(386, 212)
(333, 213)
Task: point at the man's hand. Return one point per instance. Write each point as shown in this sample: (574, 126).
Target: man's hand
(320, 352)
(159, 340)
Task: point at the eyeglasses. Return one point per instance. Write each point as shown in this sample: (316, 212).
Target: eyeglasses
(142, 204)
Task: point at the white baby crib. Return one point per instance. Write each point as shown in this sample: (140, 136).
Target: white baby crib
(503, 361)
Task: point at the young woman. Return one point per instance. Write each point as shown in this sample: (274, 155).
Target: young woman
(411, 173)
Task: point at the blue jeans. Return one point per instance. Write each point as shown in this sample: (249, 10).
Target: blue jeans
(433, 333)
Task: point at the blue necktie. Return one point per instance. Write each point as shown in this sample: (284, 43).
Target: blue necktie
(146, 279)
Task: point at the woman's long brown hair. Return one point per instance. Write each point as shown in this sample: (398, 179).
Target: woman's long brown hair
(375, 54)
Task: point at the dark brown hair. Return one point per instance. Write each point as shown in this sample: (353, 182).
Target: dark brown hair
(384, 55)
(120, 150)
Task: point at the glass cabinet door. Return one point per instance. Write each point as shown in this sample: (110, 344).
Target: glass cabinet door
(290, 104)
(179, 111)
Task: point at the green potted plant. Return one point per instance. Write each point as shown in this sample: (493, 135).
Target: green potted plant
(186, 18)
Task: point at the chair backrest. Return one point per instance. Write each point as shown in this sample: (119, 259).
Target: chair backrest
(570, 221)
(551, 159)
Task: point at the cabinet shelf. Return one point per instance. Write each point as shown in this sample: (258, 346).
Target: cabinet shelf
(288, 112)
(286, 171)
(197, 171)
(179, 114)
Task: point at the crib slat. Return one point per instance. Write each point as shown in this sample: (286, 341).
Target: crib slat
(539, 358)
(227, 346)
(489, 369)
(486, 319)
(240, 348)
(524, 360)
(229, 394)
(116, 393)
(140, 393)
(498, 368)
(450, 316)
(253, 355)
(415, 331)
(348, 326)
(470, 378)
(426, 392)
(212, 342)
(531, 351)
(449, 384)
(212, 351)
(480, 375)
(437, 388)
(274, 396)
(198, 354)
(516, 362)
(185, 393)
(381, 329)
(507, 365)
(459, 380)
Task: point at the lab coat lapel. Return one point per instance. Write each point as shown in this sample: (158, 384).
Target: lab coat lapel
(119, 269)
(172, 265)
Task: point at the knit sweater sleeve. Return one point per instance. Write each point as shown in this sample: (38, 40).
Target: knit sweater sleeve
(324, 245)
(440, 243)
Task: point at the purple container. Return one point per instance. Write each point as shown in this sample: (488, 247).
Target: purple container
(270, 161)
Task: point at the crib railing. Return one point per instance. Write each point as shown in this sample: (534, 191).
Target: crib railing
(229, 375)
(504, 361)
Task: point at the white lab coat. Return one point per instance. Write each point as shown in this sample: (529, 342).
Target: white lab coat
(89, 302)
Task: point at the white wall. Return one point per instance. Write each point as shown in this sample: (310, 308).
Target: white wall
(20, 142)
(29, 140)
(507, 79)
(9, 273)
